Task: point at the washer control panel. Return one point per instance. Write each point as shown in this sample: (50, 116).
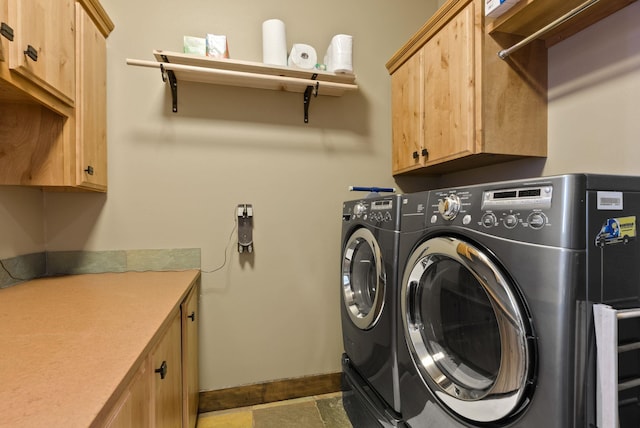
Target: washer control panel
(382, 211)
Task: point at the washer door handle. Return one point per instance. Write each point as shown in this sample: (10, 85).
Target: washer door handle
(412, 295)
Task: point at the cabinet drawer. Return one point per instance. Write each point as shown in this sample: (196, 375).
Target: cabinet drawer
(43, 49)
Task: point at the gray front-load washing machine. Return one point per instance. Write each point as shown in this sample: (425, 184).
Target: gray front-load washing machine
(498, 284)
(368, 290)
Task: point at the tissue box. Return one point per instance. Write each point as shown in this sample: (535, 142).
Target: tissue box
(217, 46)
(195, 45)
(495, 8)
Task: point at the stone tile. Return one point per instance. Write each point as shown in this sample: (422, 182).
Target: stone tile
(226, 419)
(302, 414)
(171, 259)
(284, 403)
(22, 268)
(333, 413)
(79, 262)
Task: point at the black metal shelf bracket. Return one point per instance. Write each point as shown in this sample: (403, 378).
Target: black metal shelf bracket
(173, 83)
(311, 89)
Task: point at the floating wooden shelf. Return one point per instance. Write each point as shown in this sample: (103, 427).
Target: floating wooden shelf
(196, 68)
(528, 16)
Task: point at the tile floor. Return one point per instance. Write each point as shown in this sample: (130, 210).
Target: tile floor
(321, 411)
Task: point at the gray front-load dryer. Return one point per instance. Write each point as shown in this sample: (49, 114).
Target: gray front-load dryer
(498, 283)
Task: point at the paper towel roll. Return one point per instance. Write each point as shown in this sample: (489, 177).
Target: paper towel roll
(303, 56)
(274, 42)
(339, 54)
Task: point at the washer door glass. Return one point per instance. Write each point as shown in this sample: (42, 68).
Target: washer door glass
(363, 279)
(465, 330)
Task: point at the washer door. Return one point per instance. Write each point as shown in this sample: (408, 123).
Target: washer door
(363, 279)
(465, 330)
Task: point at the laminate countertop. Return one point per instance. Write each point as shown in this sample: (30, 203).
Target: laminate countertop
(67, 344)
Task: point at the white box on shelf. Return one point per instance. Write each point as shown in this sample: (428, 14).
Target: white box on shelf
(495, 8)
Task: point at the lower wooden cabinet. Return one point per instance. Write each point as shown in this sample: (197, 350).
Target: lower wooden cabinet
(163, 393)
(190, 373)
(167, 378)
(132, 410)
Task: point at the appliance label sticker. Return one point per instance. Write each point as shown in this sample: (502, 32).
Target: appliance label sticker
(609, 200)
(617, 230)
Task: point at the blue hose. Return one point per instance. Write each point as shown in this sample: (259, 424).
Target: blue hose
(372, 189)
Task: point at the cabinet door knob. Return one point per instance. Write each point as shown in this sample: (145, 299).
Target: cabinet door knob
(89, 170)
(192, 316)
(31, 52)
(162, 370)
(425, 152)
(415, 155)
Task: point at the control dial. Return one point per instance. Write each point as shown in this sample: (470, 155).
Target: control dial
(449, 207)
(537, 220)
(359, 209)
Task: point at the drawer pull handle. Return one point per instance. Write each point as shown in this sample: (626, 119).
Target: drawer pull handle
(425, 152)
(89, 170)
(162, 370)
(31, 52)
(192, 316)
(6, 31)
(415, 155)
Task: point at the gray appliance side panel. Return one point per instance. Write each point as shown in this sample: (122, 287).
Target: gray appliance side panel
(614, 268)
(622, 183)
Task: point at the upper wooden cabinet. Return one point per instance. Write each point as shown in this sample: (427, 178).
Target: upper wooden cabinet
(456, 105)
(54, 107)
(43, 47)
(91, 109)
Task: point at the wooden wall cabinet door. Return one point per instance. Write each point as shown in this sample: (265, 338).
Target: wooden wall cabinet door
(166, 362)
(91, 104)
(407, 110)
(43, 50)
(190, 373)
(449, 90)
(4, 19)
(433, 98)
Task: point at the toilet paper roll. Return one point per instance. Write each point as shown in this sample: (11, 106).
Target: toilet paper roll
(274, 42)
(303, 56)
(339, 54)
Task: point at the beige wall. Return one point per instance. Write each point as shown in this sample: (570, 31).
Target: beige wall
(21, 221)
(176, 179)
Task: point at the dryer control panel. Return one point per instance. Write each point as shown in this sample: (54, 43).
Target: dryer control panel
(507, 208)
(517, 210)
